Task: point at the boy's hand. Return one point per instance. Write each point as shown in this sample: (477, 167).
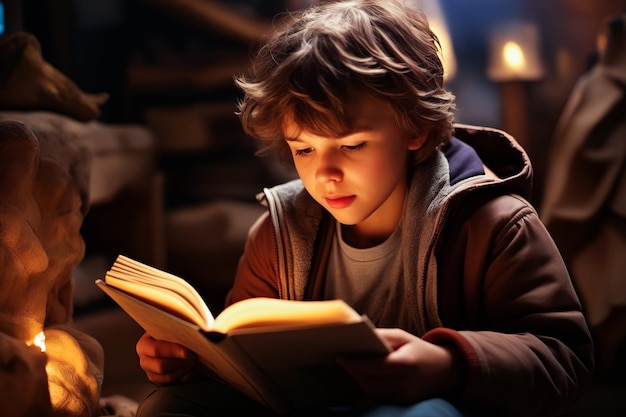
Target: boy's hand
(414, 371)
(164, 362)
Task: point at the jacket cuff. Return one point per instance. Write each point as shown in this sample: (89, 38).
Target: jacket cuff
(469, 362)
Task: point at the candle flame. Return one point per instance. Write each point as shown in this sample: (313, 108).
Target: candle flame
(40, 341)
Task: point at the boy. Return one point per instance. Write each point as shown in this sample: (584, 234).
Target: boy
(427, 234)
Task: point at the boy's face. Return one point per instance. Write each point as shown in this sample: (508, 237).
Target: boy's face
(360, 178)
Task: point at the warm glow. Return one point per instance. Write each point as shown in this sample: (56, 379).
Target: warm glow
(446, 53)
(57, 379)
(40, 341)
(72, 384)
(513, 55)
(436, 19)
(601, 43)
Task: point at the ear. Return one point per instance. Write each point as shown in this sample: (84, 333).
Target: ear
(416, 142)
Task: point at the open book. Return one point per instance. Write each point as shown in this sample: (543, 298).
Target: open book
(279, 352)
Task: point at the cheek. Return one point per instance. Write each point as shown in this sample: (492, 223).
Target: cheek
(305, 171)
(387, 162)
(308, 181)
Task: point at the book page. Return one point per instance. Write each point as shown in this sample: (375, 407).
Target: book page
(164, 326)
(272, 312)
(158, 297)
(156, 276)
(166, 290)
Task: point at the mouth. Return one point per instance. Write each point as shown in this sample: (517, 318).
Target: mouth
(339, 202)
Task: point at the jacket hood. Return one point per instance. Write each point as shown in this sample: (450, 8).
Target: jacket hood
(504, 160)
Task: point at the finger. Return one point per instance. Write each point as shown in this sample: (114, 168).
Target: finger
(163, 371)
(159, 379)
(394, 337)
(151, 347)
(375, 368)
(165, 365)
(172, 376)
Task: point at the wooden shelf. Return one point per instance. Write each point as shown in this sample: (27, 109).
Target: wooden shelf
(155, 79)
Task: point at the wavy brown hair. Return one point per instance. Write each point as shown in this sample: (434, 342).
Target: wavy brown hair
(317, 59)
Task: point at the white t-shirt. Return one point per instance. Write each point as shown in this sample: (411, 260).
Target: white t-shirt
(370, 279)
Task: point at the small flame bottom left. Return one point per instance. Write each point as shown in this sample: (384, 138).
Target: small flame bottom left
(40, 341)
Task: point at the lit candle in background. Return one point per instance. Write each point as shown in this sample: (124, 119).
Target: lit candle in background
(513, 56)
(514, 60)
(514, 53)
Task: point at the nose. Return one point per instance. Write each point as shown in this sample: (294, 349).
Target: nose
(328, 167)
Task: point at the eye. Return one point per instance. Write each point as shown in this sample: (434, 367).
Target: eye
(353, 148)
(305, 151)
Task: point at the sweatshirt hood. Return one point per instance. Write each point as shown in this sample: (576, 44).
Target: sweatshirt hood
(501, 157)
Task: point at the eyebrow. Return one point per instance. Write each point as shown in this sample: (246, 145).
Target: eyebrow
(354, 131)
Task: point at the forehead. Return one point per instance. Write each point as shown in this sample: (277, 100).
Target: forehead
(362, 112)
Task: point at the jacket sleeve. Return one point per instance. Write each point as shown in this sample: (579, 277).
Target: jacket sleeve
(257, 274)
(521, 330)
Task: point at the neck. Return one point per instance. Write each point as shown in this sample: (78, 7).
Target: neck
(378, 227)
(362, 241)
